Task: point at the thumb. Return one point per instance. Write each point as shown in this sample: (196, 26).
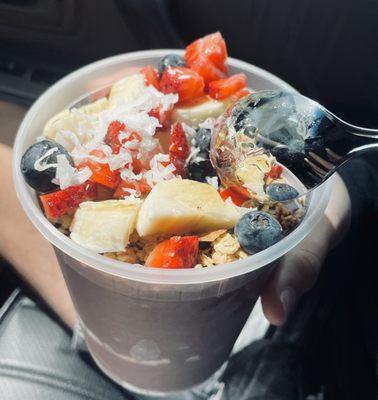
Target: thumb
(296, 273)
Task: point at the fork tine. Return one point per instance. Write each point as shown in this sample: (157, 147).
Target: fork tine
(324, 163)
(332, 155)
(319, 171)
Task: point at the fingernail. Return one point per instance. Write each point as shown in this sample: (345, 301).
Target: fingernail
(288, 299)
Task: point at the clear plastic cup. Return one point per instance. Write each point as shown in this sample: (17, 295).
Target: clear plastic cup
(151, 330)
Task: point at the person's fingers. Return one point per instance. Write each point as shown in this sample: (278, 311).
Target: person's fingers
(296, 273)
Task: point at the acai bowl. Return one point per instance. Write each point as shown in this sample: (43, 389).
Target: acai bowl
(156, 330)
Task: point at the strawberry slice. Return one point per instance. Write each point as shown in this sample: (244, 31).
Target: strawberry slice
(101, 172)
(61, 202)
(223, 88)
(208, 70)
(237, 196)
(208, 56)
(275, 172)
(112, 136)
(140, 186)
(176, 252)
(178, 149)
(212, 46)
(183, 81)
(241, 93)
(164, 117)
(151, 76)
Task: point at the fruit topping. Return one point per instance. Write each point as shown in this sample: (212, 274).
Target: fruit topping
(208, 56)
(39, 164)
(182, 206)
(101, 172)
(281, 192)
(112, 137)
(223, 88)
(176, 252)
(61, 202)
(275, 172)
(164, 116)
(202, 140)
(104, 226)
(183, 81)
(173, 60)
(151, 76)
(178, 149)
(196, 111)
(201, 170)
(132, 187)
(236, 196)
(257, 230)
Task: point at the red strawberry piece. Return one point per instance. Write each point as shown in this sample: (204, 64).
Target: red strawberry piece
(61, 202)
(176, 252)
(186, 83)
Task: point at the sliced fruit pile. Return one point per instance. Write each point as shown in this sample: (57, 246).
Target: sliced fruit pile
(132, 174)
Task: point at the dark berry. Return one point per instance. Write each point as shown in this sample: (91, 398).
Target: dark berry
(170, 59)
(198, 171)
(41, 180)
(281, 192)
(202, 139)
(257, 230)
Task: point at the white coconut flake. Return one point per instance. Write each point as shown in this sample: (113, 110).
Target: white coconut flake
(189, 132)
(68, 140)
(66, 175)
(207, 124)
(159, 172)
(131, 194)
(40, 166)
(129, 174)
(119, 160)
(213, 181)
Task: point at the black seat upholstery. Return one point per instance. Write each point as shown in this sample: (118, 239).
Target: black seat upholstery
(37, 361)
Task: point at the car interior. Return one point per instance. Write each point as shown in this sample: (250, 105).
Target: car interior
(327, 50)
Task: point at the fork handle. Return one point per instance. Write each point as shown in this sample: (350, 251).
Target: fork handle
(363, 139)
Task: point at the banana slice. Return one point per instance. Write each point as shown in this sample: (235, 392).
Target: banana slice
(127, 89)
(179, 206)
(104, 226)
(194, 115)
(75, 121)
(95, 107)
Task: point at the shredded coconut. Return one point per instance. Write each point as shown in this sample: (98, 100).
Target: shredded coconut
(158, 171)
(66, 175)
(39, 166)
(189, 132)
(128, 174)
(207, 124)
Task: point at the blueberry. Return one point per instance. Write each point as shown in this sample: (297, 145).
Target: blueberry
(257, 230)
(170, 59)
(202, 139)
(281, 192)
(199, 171)
(41, 180)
